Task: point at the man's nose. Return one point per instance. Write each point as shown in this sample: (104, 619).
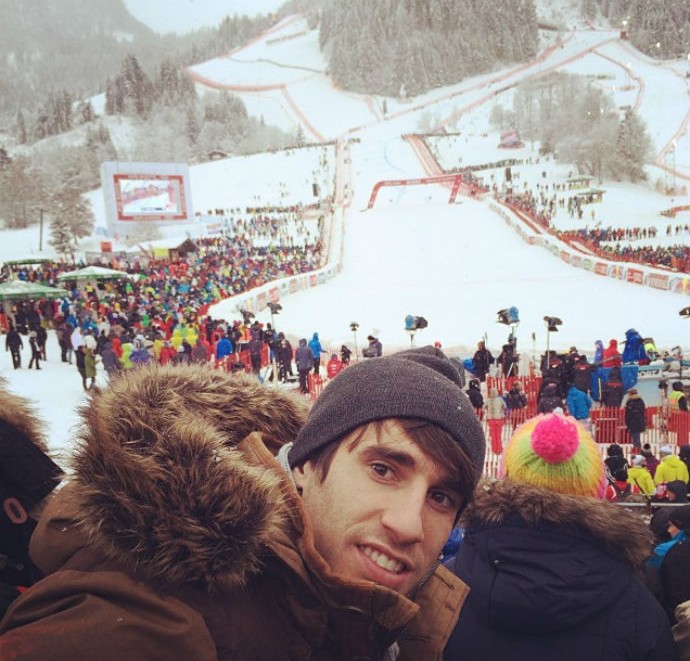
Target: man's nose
(403, 515)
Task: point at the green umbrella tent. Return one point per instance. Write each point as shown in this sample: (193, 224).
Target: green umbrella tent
(26, 261)
(20, 289)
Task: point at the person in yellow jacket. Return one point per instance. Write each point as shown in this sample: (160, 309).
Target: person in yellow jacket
(676, 398)
(670, 467)
(639, 475)
(678, 405)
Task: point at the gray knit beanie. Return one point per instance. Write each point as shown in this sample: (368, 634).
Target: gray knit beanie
(418, 383)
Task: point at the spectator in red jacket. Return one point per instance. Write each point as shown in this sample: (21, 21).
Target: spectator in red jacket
(334, 366)
(168, 354)
(611, 357)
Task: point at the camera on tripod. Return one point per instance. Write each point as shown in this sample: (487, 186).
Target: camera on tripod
(246, 315)
(413, 323)
(552, 324)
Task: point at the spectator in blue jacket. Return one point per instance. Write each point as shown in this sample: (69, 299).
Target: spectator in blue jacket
(579, 403)
(223, 348)
(315, 345)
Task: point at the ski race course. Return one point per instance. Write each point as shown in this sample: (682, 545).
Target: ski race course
(406, 249)
(413, 252)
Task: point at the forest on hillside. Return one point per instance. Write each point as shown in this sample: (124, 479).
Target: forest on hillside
(659, 28)
(407, 47)
(70, 48)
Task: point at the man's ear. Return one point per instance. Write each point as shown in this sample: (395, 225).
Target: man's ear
(302, 474)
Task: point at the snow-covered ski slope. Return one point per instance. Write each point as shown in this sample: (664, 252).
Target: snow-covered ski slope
(282, 77)
(458, 265)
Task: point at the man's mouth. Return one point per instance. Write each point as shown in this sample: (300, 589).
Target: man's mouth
(383, 561)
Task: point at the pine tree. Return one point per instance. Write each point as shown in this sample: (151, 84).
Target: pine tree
(633, 147)
(589, 9)
(112, 104)
(86, 112)
(300, 138)
(131, 91)
(496, 117)
(192, 126)
(70, 209)
(5, 159)
(99, 148)
(61, 235)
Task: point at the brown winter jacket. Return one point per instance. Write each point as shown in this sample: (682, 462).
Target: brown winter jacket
(180, 537)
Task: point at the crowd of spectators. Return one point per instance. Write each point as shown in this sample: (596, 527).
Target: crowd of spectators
(541, 206)
(607, 234)
(165, 300)
(675, 257)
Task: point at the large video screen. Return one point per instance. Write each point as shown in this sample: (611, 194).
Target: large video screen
(145, 192)
(149, 197)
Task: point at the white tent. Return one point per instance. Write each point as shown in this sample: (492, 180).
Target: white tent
(93, 273)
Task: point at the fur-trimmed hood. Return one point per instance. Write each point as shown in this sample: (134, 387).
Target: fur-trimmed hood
(538, 561)
(162, 488)
(618, 530)
(17, 412)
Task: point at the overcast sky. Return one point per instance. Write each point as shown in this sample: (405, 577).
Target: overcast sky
(181, 16)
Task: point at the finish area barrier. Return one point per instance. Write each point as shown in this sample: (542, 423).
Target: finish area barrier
(454, 180)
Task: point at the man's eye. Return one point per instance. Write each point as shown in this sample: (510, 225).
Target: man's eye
(381, 469)
(443, 499)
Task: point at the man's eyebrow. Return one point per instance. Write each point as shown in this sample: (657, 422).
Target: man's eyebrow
(391, 454)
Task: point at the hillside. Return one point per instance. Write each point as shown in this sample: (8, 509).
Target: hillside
(63, 44)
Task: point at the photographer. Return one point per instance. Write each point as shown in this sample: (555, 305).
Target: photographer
(375, 348)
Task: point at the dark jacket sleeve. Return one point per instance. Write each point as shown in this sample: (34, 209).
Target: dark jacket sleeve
(26, 472)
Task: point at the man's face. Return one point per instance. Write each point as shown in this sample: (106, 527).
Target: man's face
(384, 510)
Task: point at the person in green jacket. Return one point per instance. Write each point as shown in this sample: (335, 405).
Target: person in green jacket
(90, 366)
(125, 358)
(670, 467)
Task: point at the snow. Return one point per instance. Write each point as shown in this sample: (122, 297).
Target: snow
(414, 253)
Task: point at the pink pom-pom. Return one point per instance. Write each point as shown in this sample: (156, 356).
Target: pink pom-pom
(555, 439)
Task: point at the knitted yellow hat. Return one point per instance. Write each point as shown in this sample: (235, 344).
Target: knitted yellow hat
(554, 451)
